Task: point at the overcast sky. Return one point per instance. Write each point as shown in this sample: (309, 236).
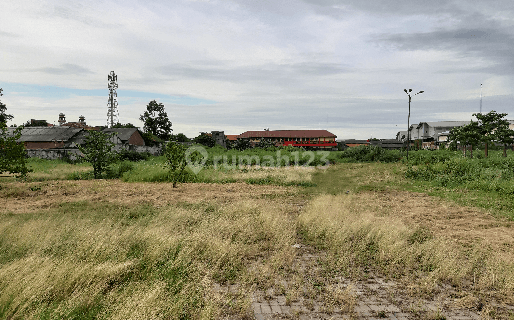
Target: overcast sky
(238, 65)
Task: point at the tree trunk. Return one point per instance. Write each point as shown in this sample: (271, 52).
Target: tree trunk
(465, 149)
(486, 150)
(504, 149)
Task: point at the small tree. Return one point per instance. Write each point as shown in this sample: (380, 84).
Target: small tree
(181, 138)
(156, 121)
(98, 150)
(504, 135)
(12, 153)
(487, 125)
(175, 161)
(469, 134)
(205, 139)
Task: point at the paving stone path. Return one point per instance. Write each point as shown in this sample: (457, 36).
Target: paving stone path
(374, 298)
(370, 304)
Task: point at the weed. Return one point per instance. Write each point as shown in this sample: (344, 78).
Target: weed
(420, 235)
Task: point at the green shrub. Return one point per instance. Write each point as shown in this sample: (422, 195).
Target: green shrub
(133, 155)
(446, 169)
(370, 154)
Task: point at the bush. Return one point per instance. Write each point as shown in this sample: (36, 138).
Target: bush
(447, 169)
(429, 156)
(131, 155)
(370, 154)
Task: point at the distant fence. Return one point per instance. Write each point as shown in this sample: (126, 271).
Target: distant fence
(74, 153)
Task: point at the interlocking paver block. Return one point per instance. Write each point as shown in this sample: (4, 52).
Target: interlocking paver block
(362, 307)
(273, 302)
(286, 309)
(377, 307)
(259, 316)
(281, 300)
(265, 308)
(256, 308)
(275, 308)
(392, 308)
(401, 315)
(431, 307)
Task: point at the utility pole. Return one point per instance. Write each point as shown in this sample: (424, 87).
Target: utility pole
(112, 104)
(408, 119)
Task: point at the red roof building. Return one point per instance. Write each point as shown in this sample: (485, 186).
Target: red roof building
(232, 137)
(319, 139)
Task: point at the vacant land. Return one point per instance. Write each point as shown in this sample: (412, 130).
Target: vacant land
(357, 242)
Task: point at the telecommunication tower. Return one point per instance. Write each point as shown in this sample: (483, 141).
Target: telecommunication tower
(112, 110)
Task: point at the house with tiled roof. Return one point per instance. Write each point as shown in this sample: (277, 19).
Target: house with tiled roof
(312, 139)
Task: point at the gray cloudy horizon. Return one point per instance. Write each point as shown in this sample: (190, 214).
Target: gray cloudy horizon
(238, 65)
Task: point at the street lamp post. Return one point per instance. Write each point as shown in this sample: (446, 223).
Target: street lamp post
(408, 119)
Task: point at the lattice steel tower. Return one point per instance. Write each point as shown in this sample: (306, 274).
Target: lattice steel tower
(113, 116)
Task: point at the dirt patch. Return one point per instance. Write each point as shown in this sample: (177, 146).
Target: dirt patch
(22, 197)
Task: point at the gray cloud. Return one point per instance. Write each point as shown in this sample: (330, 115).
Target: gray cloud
(335, 64)
(275, 73)
(65, 69)
(475, 36)
(8, 34)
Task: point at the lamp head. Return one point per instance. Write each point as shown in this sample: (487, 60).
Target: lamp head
(410, 90)
(405, 90)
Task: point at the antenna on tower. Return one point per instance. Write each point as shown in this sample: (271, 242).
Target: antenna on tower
(112, 104)
(480, 98)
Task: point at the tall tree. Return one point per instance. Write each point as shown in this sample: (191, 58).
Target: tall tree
(205, 140)
(4, 117)
(156, 121)
(504, 135)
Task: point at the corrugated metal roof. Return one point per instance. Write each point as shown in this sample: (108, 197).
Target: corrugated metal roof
(123, 133)
(46, 134)
(288, 134)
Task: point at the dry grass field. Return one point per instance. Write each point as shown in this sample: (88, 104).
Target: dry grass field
(107, 249)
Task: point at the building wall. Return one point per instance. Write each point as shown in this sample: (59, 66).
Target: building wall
(43, 145)
(219, 138)
(74, 153)
(53, 154)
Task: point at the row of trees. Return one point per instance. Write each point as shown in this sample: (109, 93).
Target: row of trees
(490, 128)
